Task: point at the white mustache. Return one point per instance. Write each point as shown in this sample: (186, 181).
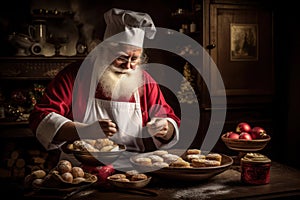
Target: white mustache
(120, 70)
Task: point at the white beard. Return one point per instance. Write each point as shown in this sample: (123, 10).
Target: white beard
(120, 84)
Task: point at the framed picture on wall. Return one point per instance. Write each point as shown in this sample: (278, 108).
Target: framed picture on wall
(243, 42)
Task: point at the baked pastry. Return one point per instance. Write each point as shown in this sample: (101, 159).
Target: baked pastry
(139, 177)
(90, 141)
(81, 145)
(64, 166)
(180, 163)
(77, 172)
(193, 151)
(102, 142)
(160, 164)
(67, 176)
(198, 162)
(130, 173)
(78, 144)
(106, 148)
(169, 158)
(214, 156)
(156, 158)
(212, 163)
(144, 161)
(123, 180)
(190, 157)
(117, 176)
(160, 152)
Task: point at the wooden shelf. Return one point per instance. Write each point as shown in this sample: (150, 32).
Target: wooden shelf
(33, 68)
(26, 70)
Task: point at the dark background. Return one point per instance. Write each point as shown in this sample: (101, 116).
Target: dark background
(15, 16)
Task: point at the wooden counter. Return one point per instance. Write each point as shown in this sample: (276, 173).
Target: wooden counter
(284, 184)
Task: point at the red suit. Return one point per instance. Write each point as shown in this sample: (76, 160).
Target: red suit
(58, 100)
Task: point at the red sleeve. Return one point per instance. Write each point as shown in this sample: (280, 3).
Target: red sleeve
(153, 102)
(57, 97)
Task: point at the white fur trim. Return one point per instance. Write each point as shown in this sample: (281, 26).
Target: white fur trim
(160, 145)
(48, 128)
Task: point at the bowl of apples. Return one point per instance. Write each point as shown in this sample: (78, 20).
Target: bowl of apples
(245, 138)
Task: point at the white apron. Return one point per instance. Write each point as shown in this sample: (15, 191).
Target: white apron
(128, 118)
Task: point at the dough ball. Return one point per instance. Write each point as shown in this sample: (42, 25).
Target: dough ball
(77, 172)
(38, 182)
(78, 180)
(68, 177)
(64, 166)
(38, 173)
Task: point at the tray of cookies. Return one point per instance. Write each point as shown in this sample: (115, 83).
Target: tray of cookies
(96, 151)
(191, 164)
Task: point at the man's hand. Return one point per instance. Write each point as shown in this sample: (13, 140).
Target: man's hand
(108, 126)
(158, 127)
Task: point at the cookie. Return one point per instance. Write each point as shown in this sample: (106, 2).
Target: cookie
(144, 161)
(139, 177)
(198, 162)
(160, 152)
(214, 156)
(117, 176)
(193, 151)
(180, 163)
(156, 158)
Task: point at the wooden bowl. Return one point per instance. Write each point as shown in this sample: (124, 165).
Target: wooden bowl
(245, 145)
(131, 184)
(98, 158)
(183, 173)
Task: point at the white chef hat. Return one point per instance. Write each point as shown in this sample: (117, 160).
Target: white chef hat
(131, 27)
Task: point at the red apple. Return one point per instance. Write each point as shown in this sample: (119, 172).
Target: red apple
(245, 136)
(243, 127)
(232, 135)
(258, 132)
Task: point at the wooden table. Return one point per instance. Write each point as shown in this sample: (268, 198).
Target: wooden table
(284, 183)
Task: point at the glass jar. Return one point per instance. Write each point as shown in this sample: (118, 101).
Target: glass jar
(255, 169)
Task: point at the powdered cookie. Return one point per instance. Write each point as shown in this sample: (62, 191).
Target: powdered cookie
(160, 152)
(144, 161)
(156, 158)
(169, 158)
(160, 164)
